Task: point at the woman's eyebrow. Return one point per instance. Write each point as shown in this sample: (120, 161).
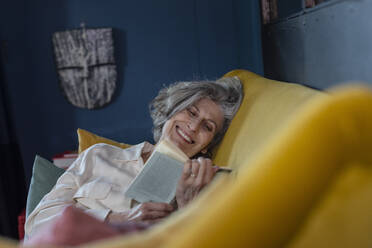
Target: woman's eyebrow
(196, 108)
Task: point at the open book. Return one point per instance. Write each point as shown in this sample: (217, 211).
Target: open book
(158, 180)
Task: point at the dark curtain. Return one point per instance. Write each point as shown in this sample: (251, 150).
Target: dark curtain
(12, 178)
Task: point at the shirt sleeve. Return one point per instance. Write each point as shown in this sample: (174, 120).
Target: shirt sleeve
(62, 194)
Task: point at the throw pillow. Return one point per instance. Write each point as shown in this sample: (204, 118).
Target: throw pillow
(87, 139)
(44, 177)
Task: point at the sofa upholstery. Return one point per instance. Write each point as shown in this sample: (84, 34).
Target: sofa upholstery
(305, 184)
(302, 175)
(267, 106)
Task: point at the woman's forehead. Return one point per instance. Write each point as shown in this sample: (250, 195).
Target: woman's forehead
(206, 102)
(210, 110)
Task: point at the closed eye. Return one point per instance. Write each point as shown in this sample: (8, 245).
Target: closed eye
(191, 112)
(208, 127)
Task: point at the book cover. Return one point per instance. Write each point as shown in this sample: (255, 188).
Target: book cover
(157, 182)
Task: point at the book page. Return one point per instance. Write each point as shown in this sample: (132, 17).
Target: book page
(168, 148)
(158, 180)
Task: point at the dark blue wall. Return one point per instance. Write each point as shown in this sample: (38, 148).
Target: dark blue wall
(325, 46)
(156, 42)
(289, 7)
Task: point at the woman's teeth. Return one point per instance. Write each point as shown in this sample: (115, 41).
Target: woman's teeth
(184, 136)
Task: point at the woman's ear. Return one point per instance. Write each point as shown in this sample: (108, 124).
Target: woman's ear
(205, 153)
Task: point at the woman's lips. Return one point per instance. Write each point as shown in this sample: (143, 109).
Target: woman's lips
(183, 135)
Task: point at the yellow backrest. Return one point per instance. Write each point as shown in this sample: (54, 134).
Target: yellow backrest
(266, 107)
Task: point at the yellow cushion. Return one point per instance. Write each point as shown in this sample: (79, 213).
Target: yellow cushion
(87, 139)
(266, 107)
(343, 218)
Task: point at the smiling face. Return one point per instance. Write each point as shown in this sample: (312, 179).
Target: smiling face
(193, 128)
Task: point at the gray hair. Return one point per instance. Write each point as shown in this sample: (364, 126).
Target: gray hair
(226, 92)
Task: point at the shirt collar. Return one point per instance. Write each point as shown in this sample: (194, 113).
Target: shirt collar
(135, 151)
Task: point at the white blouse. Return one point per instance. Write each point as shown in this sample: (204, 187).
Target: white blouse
(95, 182)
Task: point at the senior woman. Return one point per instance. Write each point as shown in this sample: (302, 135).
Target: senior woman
(192, 115)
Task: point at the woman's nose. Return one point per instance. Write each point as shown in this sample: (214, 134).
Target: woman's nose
(193, 124)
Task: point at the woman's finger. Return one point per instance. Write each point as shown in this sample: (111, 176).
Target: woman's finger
(154, 215)
(186, 170)
(194, 168)
(148, 215)
(201, 173)
(156, 206)
(210, 172)
(142, 209)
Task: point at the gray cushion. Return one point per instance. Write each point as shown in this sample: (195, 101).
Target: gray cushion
(44, 177)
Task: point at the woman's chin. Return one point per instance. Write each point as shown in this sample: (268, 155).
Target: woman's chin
(182, 146)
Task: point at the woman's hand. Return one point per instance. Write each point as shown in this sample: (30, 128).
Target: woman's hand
(196, 174)
(75, 227)
(115, 217)
(148, 212)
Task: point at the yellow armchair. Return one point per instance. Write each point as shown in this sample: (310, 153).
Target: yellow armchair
(302, 175)
(302, 163)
